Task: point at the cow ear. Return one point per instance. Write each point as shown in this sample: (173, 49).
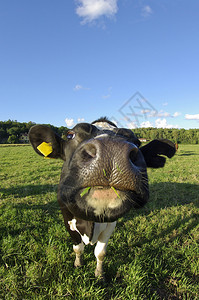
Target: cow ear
(46, 142)
(154, 149)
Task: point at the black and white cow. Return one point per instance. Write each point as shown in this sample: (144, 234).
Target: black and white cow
(104, 175)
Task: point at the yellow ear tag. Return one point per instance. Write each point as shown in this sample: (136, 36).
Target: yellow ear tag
(45, 148)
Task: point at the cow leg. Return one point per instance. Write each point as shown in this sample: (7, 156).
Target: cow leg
(70, 224)
(100, 249)
(78, 249)
(100, 252)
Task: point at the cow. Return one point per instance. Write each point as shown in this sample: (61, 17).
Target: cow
(104, 175)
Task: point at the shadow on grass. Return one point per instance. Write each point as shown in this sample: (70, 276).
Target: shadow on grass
(27, 217)
(163, 195)
(187, 153)
(23, 215)
(27, 190)
(167, 195)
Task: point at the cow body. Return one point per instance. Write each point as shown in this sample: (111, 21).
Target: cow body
(104, 175)
(100, 236)
(85, 232)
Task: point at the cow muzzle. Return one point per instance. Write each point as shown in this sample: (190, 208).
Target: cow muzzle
(107, 176)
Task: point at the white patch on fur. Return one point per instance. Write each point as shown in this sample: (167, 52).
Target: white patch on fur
(101, 231)
(98, 228)
(103, 205)
(102, 135)
(104, 125)
(73, 227)
(104, 230)
(99, 249)
(103, 238)
(85, 239)
(79, 249)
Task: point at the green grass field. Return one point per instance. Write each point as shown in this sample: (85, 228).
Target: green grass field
(153, 253)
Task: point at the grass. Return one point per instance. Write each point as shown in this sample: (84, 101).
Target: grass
(153, 253)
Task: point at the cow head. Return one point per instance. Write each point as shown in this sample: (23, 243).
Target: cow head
(104, 173)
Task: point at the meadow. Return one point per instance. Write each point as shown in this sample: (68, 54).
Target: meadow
(153, 253)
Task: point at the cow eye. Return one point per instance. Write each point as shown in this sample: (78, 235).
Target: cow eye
(70, 135)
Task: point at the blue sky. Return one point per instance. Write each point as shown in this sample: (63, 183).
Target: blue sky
(135, 61)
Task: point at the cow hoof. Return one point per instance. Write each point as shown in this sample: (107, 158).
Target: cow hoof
(100, 275)
(78, 262)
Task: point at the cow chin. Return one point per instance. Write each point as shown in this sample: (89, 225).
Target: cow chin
(104, 204)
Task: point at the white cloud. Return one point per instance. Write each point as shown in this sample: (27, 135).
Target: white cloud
(69, 122)
(165, 104)
(80, 120)
(108, 95)
(91, 10)
(145, 111)
(159, 114)
(176, 114)
(153, 113)
(162, 123)
(192, 117)
(131, 125)
(79, 87)
(147, 11)
(164, 114)
(146, 124)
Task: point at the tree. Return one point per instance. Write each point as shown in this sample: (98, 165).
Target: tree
(10, 132)
(12, 139)
(14, 131)
(2, 133)
(176, 135)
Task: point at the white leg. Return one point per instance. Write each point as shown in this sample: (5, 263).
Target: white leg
(100, 249)
(78, 249)
(100, 252)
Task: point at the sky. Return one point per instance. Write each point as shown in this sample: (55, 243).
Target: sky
(69, 61)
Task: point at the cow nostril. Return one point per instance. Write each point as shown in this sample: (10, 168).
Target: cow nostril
(89, 152)
(133, 154)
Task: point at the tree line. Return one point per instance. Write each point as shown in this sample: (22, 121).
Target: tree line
(11, 132)
(180, 136)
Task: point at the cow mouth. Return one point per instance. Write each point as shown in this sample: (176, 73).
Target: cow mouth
(105, 204)
(102, 203)
(102, 198)
(101, 192)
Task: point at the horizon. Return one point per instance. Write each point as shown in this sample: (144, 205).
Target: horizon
(34, 123)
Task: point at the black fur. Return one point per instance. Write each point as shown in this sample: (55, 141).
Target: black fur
(86, 158)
